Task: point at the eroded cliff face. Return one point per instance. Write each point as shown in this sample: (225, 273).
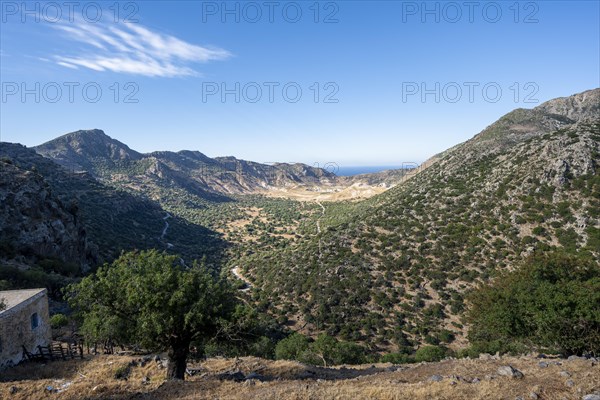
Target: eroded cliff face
(35, 224)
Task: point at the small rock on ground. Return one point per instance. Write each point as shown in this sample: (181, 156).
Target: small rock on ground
(232, 376)
(508, 370)
(254, 375)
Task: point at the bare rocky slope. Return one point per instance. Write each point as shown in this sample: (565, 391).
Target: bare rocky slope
(34, 222)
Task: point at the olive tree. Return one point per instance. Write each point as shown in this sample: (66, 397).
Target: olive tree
(550, 302)
(148, 298)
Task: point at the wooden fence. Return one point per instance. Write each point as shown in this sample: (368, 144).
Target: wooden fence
(55, 351)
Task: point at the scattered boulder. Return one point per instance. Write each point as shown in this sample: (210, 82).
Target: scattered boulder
(145, 380)
(570, 383)
(565, 374)
(543, 364)
(395, 368)
(508, 370)
(255, 376)
(591, 397)
(13, 390)
(140, 362)
(436, 378)
(236, 376)
(63, 387)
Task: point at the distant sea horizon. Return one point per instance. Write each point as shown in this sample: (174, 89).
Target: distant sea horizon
(357, 170)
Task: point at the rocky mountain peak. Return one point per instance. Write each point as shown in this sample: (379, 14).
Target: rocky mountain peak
(77, 149)
(523, 124)
(582, 106)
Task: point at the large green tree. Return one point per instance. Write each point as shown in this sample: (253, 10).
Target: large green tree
(325, 350)
(150, 299)
(552, 301)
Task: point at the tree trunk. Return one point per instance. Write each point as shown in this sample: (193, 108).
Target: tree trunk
(324, 361)
(177, 354)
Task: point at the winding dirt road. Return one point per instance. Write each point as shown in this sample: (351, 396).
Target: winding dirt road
(164, 231)
(236, 272)
(319, 220)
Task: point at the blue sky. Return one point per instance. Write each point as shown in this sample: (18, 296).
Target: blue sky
(362, 68)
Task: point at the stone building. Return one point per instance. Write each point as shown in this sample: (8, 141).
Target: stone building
(23, 322)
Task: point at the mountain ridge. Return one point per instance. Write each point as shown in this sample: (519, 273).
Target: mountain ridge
(107, 159)
(79, 148)
(394, 268)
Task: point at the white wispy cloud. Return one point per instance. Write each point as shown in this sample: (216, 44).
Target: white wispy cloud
(134, 49)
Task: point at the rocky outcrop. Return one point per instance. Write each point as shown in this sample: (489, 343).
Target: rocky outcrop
(523, 124)
(583, 106)
(35, 223)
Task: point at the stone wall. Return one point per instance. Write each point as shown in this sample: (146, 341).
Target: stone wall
(24, 324)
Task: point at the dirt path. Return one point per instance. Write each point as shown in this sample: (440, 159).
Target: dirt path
(236, 272)
(164, 231)
(319, 231)
(319, 220)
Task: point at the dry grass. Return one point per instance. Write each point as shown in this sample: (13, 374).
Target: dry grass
(94, 379)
